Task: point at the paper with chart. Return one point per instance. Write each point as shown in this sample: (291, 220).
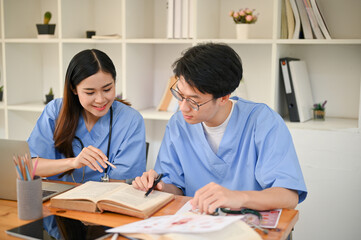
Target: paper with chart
(188, 223)
(269, 218)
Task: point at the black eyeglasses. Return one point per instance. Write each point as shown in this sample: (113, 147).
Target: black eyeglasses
(193, 104)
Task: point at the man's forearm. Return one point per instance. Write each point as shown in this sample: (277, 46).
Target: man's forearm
(170, 188)
(270, 198)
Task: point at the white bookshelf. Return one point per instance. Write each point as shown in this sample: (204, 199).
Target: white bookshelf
(143, 55)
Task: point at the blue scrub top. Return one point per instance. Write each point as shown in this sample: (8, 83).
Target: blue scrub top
(255, 153)
(127, 148)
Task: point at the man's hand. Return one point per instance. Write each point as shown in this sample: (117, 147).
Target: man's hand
(146, 181)
(212, 196)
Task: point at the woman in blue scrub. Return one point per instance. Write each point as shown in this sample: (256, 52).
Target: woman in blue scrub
(225, 152)
(86, 135)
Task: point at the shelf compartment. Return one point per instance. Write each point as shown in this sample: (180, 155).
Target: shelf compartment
(215, 22)
(149, 67)
(334, 73)
(146, 19)
(21, 17)
(91, 15)
(31, 70)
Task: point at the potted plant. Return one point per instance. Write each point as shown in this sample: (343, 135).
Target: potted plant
(1, 92)
(319, 111)
(46, 29)
(49, 96)
(243, 18)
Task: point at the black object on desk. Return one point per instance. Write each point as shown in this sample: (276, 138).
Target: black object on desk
(57, 227)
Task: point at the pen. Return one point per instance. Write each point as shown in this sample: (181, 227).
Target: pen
(156, 181)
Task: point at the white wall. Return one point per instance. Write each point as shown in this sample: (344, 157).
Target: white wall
(331, 164)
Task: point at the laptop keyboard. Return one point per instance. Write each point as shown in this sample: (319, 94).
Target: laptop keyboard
(47, 193)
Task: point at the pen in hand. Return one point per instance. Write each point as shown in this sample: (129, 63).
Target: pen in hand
(156, 181)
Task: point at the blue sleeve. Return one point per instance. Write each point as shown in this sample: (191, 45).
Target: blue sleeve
(130, 153)
(277, 164)
(41, 141)
(168, 161)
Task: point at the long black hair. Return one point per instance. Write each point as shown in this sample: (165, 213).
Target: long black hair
(83, 65)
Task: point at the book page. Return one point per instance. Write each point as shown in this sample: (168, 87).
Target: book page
(134, 198)
(92, 191)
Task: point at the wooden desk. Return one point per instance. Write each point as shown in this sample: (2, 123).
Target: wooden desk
(9, 217)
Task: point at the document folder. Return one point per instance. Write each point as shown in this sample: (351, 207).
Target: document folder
(286, 78)
(298, 90)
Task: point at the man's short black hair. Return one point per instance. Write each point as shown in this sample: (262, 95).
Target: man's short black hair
(211, 68)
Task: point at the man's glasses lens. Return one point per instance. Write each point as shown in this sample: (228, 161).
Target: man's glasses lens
(179, 97)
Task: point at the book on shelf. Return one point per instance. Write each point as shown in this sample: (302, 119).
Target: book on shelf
(180, 18)
(305, 22)
(314, 24)
(294, 76)
(167, 95)
(320, 20)
(170, 19)
(284, 33)
(185, 18)
(290, 19)
(108, 36)
(296, 33)
(191, 16)
(177, 18)
(111, 196)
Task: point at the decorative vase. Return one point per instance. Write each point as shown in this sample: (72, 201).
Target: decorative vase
(242, 30)
(319, 115)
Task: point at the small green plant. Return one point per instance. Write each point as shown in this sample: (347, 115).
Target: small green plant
(51, 91)
(1, 88)
(47, 17)
(319, 106)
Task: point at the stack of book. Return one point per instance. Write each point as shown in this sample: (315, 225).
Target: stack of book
(180, 19)
(302, 19)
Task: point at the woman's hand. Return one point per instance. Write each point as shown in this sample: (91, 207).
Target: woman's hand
(92, 157)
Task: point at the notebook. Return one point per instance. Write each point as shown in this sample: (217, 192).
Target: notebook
(8, 176)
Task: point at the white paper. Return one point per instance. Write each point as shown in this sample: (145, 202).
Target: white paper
(187, 223)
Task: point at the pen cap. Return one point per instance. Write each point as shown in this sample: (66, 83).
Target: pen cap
(29, 197)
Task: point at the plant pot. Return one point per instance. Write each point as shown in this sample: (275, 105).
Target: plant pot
(319, 115)
(45, 30)
(48, 98)
(242, 30)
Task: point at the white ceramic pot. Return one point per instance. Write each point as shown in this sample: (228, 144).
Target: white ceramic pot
(242, 30)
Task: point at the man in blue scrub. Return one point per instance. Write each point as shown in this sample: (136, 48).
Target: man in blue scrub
(224, 152)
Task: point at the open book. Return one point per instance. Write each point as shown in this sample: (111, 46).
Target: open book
(111, 196)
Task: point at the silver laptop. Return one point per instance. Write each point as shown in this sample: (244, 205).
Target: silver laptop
(9, 148)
